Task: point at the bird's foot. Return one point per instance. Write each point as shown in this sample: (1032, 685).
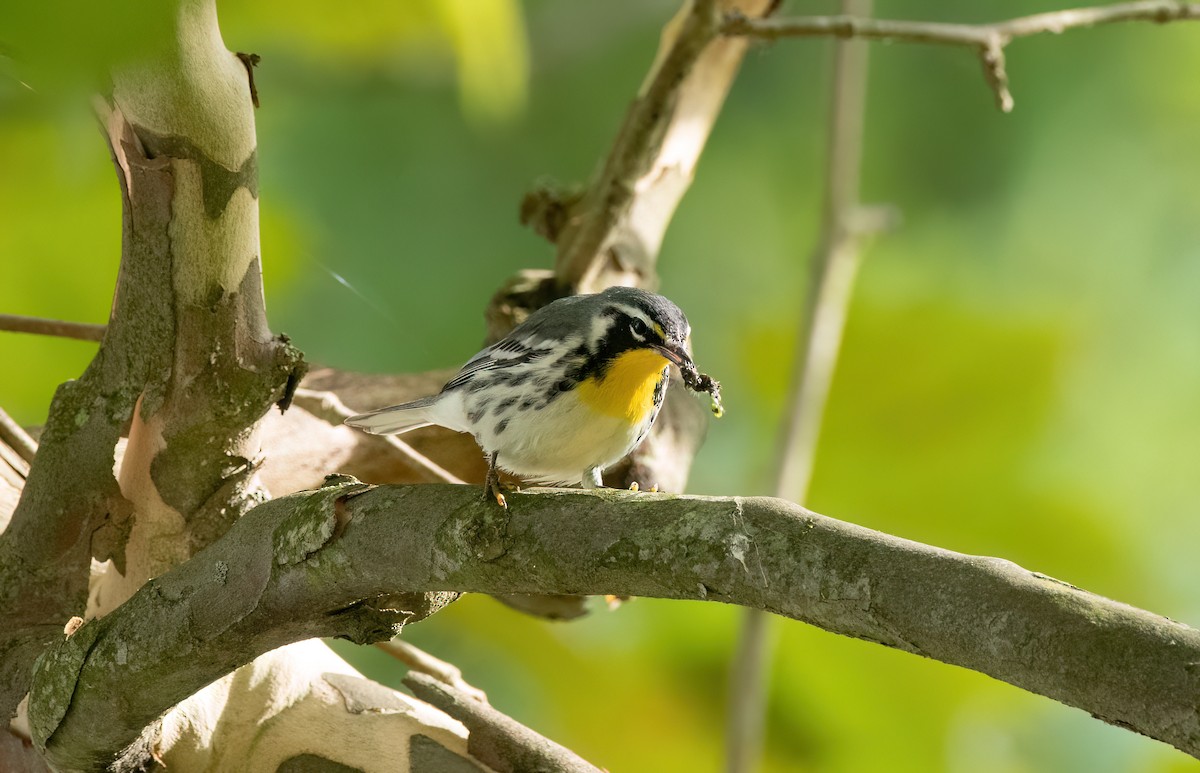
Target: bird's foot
(491, 483)
(492, 490)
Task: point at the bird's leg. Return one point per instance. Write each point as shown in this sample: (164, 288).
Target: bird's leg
(592, 479)
(491, 484)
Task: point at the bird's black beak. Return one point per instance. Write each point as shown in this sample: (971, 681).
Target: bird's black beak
(675, 354)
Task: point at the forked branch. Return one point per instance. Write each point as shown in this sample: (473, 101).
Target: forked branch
(989, 40)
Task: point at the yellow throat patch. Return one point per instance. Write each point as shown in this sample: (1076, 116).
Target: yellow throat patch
(627, 389)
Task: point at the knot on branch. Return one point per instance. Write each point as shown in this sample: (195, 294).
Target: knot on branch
(991, 54)
(1169, 13)
(548, 208)
(317, 519)
(519, 296)
(290, 359)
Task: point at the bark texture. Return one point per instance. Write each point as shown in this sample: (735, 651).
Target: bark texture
(340, 552)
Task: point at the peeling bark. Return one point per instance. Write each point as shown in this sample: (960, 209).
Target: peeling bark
(189, 467)
(611, 234)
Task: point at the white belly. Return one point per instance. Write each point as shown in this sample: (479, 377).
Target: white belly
(553, 443)
(560, 442)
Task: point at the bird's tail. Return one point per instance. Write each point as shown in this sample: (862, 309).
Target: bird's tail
(395, 418)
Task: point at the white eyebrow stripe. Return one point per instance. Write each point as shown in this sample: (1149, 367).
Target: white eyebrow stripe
(634, 311)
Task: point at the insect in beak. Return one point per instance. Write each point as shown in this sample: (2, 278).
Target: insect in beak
(676, 355)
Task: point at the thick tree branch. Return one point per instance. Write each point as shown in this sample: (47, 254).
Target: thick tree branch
(71, 501)
(989, 40)
(186, 363)
(311, 564)
(193, 451)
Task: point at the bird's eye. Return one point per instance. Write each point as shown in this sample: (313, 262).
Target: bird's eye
(639, 329)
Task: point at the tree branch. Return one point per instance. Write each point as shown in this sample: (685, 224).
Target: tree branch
(420, 661)
(833, 268)
(187, 363)
(83, 331)
(499, 741)
(611, 233)
(15, 436)
(311, 564)
(989, 40)
(71, 500)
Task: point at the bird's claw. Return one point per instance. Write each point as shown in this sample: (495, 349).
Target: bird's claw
(491, 483)
(492, 491)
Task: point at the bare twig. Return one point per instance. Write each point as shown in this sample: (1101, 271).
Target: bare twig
(83, 331)
(329, 407)
(17, 438)
(989, 40)
(423, 663)
(834, 265)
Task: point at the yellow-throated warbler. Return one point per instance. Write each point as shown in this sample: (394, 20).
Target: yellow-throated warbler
(569, 392)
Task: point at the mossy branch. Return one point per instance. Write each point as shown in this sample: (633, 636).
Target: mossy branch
(331, 563)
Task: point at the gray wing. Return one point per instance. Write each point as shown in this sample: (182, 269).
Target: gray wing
(508, 353)
(538, 336)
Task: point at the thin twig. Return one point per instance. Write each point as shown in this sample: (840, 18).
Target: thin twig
(496, 739)
(328, 406)
(83, 331)
(423, 663)
(834, 266)
(17, 438)
(989, 40)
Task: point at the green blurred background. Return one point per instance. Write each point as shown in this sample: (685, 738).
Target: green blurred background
(1019, 377)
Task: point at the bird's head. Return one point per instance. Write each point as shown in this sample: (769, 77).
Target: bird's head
(630, 319)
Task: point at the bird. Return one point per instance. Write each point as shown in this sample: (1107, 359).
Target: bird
(569, 392)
